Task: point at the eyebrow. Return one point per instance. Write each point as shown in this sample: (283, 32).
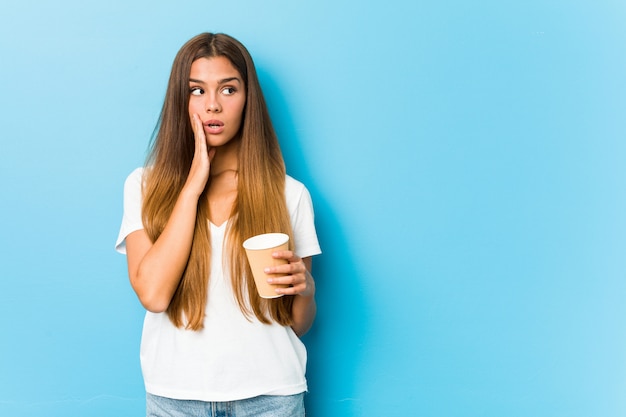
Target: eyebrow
(222, 81)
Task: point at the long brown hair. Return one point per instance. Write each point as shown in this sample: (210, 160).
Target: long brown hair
(260, 206)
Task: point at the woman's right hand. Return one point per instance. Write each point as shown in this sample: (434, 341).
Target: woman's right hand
(201, 164)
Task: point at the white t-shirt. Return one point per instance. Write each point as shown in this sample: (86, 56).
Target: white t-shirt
(233, 357)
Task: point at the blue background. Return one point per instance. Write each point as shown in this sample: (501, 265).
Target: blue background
(466, 161)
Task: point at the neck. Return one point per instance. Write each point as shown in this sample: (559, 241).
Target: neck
(222, 191)
(226, 158)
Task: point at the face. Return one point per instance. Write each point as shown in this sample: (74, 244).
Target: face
(217, 95)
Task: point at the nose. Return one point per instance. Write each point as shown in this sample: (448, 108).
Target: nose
(213, 105)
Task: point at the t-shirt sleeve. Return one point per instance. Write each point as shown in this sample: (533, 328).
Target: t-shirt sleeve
(131, 219)
(302, 219)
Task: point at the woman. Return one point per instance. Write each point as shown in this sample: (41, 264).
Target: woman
(215, 177)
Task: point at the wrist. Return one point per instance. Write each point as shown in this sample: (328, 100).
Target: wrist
(309, 293)
(188, 193)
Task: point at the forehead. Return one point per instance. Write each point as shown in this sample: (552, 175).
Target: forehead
(213, 69)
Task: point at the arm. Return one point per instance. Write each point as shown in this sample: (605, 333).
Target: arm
(156, 269)
(302, 288)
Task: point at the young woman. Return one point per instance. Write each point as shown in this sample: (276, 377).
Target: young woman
(215, 177)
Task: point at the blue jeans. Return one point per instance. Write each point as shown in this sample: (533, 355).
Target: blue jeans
(262, 406)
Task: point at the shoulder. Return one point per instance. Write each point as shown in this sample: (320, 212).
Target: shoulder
(293, 187)
(295, 192)
(134, 182)
(135, 178)
(136, 175)
(296, 195)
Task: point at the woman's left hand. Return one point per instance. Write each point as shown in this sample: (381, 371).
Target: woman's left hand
(296, 272)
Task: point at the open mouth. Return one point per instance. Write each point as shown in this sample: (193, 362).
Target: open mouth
(214, 124)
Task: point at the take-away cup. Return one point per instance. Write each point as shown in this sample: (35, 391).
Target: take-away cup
(259, 250)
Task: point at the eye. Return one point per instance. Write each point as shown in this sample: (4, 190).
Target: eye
(196, 91)
(229, 91)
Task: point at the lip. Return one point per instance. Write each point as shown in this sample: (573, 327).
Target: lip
(213, 126)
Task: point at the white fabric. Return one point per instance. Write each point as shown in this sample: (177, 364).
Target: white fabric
(233, 357)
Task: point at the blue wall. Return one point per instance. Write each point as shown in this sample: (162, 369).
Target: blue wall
(466, 161)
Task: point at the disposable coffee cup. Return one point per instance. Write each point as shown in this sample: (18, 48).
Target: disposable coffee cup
(259, 250)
